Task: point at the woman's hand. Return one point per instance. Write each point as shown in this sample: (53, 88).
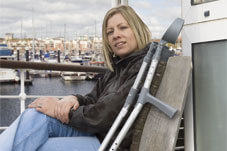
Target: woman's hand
(56, 108)
(64, 106)
(45, 105)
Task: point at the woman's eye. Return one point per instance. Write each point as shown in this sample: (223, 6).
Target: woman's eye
(109, 32)
(124, 27)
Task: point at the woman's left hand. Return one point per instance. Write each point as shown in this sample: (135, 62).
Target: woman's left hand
(64, 106)
(45, 105)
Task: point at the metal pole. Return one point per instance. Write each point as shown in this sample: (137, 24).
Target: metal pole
(22, 92)
(64, 40)
(115, 3)
(124, 2)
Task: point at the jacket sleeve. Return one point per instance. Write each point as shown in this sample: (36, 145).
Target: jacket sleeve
(98, 117)
(92, 97)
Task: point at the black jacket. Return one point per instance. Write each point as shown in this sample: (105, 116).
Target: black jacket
(100, 107)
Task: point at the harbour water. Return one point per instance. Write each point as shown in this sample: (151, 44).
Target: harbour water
(55, 86)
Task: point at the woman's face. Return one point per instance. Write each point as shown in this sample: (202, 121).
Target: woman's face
(120, 36)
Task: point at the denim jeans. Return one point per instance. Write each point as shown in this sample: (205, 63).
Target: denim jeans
(34, 131)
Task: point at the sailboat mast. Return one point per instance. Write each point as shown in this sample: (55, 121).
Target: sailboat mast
(64, 38)
(21, 30)
(33, 37)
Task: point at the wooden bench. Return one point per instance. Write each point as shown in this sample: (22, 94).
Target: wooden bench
(159, 131)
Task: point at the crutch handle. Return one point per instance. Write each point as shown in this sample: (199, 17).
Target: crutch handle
(146, 97)
(165, 108)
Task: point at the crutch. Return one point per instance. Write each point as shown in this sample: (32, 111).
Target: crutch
(130, 98)
(145, 97)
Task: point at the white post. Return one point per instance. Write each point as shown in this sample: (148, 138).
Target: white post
(22, 91)
(124, 2)
(116, 3)
(188, 122)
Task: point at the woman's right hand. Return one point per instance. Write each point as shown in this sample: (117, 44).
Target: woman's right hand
(64, 106)
(46, 105)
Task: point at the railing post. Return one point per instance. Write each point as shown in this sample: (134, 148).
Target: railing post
(22, 91)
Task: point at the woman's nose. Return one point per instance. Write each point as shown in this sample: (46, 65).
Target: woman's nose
(116, 34)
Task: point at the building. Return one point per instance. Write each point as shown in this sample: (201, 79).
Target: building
(97, 43)
(204, 38)
(9, 36)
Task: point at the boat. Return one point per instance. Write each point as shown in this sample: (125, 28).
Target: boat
(70, 76)
(77, 59)
(97, 63)
(5, 51)
(7, 75)
(51, 57)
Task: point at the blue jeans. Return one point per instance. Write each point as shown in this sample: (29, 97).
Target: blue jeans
(34, 131)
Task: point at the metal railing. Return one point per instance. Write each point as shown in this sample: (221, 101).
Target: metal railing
(23, 66)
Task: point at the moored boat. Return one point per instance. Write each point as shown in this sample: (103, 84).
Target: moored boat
(5, 51)
(7, 75)
(70, 76)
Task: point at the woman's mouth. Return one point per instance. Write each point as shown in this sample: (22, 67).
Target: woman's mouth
(119, 44)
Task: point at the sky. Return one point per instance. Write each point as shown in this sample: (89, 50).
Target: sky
(56, 18)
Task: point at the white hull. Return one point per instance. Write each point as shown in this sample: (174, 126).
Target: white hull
(8, 75)
(70, 76)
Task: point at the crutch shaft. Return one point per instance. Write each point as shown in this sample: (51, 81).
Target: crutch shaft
(114, 127)
(153, 66)
(126, 127)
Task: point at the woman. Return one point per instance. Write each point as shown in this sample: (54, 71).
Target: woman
(78, 122)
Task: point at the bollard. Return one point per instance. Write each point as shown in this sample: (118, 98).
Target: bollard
(27, 59)
(18, 54)
(59, 56)
(40, 54)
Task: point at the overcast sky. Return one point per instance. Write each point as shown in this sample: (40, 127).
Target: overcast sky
(80, 17)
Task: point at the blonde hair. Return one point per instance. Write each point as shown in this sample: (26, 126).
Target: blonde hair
(141, 31)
